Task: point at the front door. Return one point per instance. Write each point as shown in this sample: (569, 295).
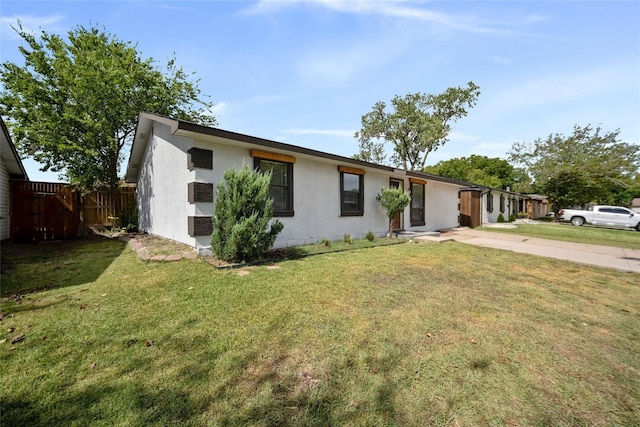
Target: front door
(396, 221)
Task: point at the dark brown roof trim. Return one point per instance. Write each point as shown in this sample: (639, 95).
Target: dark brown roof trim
(193, 127)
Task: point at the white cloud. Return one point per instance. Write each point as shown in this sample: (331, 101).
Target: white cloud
(30, 23)
(559, 88)
(337, 133)
(500, 60)
(393, 9)
(219, 108)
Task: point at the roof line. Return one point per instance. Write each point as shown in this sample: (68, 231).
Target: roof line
(13, 148)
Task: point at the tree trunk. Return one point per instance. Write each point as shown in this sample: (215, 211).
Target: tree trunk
(390, 227)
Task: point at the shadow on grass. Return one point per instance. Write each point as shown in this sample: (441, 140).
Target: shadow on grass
(29, 267)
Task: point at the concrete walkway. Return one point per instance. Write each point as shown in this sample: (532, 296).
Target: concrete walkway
(596, 255)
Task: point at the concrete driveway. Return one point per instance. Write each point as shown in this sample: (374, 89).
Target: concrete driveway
(596, 255)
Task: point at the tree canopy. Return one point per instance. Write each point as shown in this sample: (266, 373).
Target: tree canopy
(73, 105)
(491, 172)
(588, 166)
(417, 125)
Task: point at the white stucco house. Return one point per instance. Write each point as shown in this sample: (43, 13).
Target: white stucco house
(11, 167)
(177, 166)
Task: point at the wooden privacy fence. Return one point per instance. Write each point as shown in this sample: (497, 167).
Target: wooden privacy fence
(54, 211)
(100, 208)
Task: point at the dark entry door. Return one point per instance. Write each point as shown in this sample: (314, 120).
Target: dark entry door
(397, 221)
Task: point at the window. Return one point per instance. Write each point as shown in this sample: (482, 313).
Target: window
(622, 211)
(502, 203)
(281, 188)
(351, 191)
(489, 202)
(417, 204)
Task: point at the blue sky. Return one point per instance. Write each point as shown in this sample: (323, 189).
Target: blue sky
(304, 72)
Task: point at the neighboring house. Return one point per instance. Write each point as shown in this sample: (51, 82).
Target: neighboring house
(496, 202)
(177, 166)
(483, 205)
(11, 167)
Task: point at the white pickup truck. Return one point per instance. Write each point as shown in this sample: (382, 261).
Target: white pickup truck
(605, 216)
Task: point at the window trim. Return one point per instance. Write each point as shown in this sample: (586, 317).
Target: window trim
(360, 174)
(489, 202)
(502, 203)
(257, 160)
(424, 203)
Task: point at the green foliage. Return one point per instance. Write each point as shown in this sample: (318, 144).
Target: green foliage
(418, 125)
(370, 236)
(129, 217)
(242, 215)
(587, 166)
(490, 172)
(73, 105)
(500, 218)
(512, 217)
(326, 242)
(394, 201)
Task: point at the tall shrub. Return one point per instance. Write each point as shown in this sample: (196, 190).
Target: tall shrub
(242, 226)
(393, 200)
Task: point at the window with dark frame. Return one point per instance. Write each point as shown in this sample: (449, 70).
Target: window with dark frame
(351, 194)
(489, 202)
(417, 204)
(281, 188)
(502, 203)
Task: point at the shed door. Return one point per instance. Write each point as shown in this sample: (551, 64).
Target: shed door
(470, 208)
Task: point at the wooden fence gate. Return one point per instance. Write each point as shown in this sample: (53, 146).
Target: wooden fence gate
(54, 211)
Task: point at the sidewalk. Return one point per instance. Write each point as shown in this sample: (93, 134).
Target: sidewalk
(596, 255)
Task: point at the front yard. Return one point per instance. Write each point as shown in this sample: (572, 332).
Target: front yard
(411, 334)
(586, 234)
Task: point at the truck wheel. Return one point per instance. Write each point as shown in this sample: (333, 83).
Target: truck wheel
(638, 227)
(577, 221)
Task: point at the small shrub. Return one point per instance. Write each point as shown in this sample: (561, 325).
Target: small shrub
(370, 236)
(326, 242)
(512, 217)
(522, 215)
(129, 218)
(500, 217)
(347, 238)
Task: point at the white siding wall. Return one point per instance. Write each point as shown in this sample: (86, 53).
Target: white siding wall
(316, 199)
(162, 187)
(5, 203)
(441, 208)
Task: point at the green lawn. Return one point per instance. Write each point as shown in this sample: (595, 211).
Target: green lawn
(405, 335)
(585, 234)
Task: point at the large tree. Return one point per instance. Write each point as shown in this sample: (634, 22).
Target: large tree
(417, 125)
(588, 166)
(73, 104)
(488, 171)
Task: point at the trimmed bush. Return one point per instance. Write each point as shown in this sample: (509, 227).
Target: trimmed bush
(500, 217)
(393, 200)
(243, 214)
(370, 236)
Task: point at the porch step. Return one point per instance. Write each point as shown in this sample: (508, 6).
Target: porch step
(417, 233)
